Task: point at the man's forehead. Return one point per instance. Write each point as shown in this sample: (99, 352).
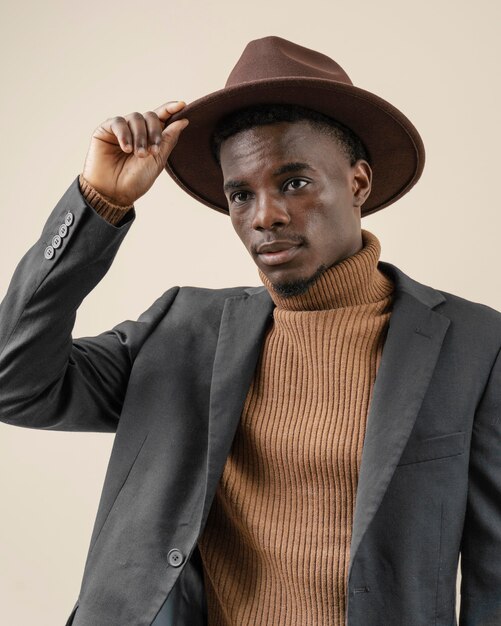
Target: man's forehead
(280, 132)
(286, 138)
(288, 146)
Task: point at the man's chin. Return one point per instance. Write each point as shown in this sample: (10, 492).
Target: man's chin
(297, 287)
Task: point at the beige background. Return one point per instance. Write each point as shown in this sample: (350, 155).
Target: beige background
(66, 66)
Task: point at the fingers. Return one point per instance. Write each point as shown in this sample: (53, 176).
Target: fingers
(166, 110)
(138, 129)
(170, 135)
(154, 129)
(119, 127)
(144, 134)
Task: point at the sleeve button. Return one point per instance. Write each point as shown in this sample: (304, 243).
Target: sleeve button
(63, 230)
(49, 252)
(68, 218)
(56, 241)
(175, 557)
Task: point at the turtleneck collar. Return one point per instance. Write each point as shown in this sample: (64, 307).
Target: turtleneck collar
(353, 281)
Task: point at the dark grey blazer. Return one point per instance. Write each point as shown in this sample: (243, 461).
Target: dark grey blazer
(172, 385)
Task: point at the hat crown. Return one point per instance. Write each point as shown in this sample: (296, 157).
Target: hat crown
(274, 57)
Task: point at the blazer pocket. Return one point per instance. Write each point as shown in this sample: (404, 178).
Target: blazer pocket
(432, 448)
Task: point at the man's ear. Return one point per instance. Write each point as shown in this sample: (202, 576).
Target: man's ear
(361, 182)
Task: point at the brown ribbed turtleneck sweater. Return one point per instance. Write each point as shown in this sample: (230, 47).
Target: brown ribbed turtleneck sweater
(276, 544)
(275, 548)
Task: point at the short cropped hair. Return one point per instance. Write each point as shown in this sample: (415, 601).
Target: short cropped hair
(259, 115)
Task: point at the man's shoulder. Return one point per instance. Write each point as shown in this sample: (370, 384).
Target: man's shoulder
(220, 293)
(464, 304)
(463, 311)
(206, 298)
(478, 317)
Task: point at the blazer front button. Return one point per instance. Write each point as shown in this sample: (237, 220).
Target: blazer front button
(175, 557)
(48, 252)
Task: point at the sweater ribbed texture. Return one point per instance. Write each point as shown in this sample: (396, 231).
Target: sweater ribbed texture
(275, 548)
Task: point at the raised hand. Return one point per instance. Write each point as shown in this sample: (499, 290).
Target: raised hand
(126, 154)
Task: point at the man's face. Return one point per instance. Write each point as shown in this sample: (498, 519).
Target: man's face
(294, 199)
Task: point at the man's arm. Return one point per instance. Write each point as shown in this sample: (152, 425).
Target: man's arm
(47, 380)
(481, 542)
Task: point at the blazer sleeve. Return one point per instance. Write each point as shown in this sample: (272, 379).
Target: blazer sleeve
(48, 380)
(481, 541)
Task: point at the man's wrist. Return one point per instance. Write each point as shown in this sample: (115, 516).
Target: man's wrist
(112, 213)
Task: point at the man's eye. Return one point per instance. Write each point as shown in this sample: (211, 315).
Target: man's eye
(296, 183)
(240, 196)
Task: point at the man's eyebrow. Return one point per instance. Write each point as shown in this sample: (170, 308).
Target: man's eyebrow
(296, 166)
(234, 184)
(292, 167)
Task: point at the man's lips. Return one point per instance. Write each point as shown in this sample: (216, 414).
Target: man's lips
(277, 252)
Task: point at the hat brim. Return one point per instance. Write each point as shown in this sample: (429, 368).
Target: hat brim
(395, 149)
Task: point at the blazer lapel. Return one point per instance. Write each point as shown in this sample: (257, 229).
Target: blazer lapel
(412, 346)
(241, 334)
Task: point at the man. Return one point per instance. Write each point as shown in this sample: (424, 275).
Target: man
(261, 472)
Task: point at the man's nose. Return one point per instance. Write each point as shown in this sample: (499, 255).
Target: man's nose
(270, 212)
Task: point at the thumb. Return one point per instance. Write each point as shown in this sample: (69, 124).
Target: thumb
(170, 135)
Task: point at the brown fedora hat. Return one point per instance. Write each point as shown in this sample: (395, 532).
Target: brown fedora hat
(273, 70)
